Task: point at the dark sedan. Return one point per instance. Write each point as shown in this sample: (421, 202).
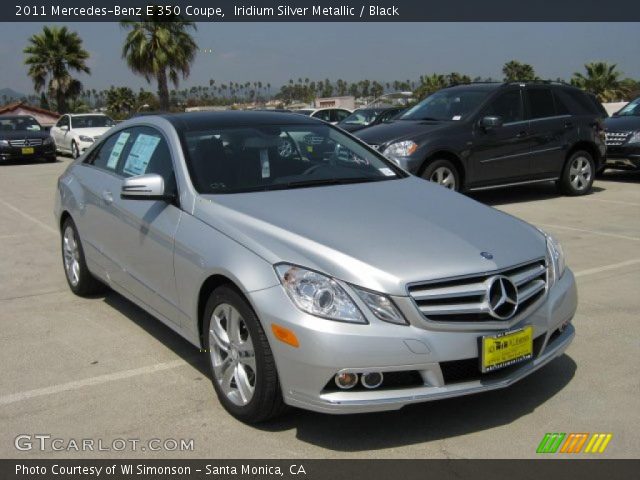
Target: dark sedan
(367, 117)
(22, 137)
(623, 137)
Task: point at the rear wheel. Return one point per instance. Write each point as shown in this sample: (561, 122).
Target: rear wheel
(578, 175)
(242, 366)
(80, 280)
(444, 173)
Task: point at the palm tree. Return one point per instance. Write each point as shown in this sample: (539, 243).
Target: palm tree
(160, 47)
(51, 57)
(603, 80)
(430, 84)
(515, 71)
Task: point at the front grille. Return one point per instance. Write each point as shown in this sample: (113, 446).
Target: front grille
(468, 370)
(616, 138)
(31, 142)
(466, 299)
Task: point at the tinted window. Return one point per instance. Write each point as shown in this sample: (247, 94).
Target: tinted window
(11, 124)
(561, 106)
(448, 104)
(631, 109)
(540, 102)
(579, 102)
(106, 156)
(508, 106)
(64, 121)
(339, 115)
(323, 115)
(92, 121)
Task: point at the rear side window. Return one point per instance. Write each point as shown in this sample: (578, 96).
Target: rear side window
(540, 103)
(580, 103)
(339, 115)
(324, 115)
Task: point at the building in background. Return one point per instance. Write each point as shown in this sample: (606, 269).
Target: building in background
(348, 102)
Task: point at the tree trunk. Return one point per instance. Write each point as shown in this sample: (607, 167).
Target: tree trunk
(61, 102)
(163, 90)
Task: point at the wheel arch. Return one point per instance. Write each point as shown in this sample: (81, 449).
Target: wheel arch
(445, 155)
(208, 286)
(587, 146)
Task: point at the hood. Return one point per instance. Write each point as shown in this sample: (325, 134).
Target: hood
(351, 127)
(622, 123)
(379, 235)
(91, 132)
(20, 134)
(398, 130)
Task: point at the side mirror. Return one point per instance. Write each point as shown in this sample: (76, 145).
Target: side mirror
(144, 187)
(491, 122)
(64, 127)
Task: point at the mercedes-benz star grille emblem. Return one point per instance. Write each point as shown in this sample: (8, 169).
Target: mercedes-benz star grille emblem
(502, 297)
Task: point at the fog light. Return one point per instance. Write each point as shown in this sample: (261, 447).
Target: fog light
(371, 379)
(346, 380)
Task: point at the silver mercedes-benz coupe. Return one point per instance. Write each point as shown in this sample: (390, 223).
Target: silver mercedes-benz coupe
(312, 271)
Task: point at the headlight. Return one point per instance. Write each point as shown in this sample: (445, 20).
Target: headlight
(635, 138)
(4, 143)
(381, 306)
(400, 149)
(84, 138)
(555, 259)
(318, 294)
(48, 141)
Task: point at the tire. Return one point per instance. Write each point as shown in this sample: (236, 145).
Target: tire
(250, 390)
(80, 280)
(75, 151)
(578, 174)
(444, 173)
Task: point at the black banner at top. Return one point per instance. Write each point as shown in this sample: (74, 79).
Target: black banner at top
(326, 10)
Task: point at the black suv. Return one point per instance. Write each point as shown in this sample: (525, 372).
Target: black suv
(22, 137)
(623, 137)
(485, 135)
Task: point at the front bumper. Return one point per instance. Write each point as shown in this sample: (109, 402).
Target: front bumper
(327, 347)
(15, 153)
(624, 156)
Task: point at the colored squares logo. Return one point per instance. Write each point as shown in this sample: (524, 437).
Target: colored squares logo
(574, 443)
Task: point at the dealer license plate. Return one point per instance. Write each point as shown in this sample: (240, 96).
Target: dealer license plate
(505, 349)
(27, 151)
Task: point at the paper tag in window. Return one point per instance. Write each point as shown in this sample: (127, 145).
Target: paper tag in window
(456, 117)
(387, 172)
(264, 164)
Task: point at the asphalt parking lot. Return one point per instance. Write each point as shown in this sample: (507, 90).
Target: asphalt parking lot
(101, 368)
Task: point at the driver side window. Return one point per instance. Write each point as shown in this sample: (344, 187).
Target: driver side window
(63, 122)
(508, 106)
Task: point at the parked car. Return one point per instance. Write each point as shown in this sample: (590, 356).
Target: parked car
(488, 135)
(330, 115)
(623, 137)
(22, 137)
(367, 117)
(74, 133)
(329, 280)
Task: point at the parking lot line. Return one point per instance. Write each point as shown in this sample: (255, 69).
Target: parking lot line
(619, 202)
(604, 268)
(29, 217)
(87, 382)
(594, 232)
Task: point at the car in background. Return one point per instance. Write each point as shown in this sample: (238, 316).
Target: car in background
(367, 117)
(22, 137)
(330, 115)
(74, 133)
(329, 280)
(487, 135)
(623, 137)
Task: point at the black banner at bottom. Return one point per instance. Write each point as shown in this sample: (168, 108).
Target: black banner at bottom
(550, 469)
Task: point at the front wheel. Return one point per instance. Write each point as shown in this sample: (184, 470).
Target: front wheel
(80, 280)
(578, 174)
(243, 370)
(75, 151)
(444, 173)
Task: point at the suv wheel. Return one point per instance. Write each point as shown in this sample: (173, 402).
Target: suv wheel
(444, 173)
(80, 280)
(579, 171)
(242, 366)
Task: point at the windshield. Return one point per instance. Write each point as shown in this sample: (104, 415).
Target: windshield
(449, 104)
(631, 109)
(17, 124)
(91, 121)
(361, 117)
(278, 157)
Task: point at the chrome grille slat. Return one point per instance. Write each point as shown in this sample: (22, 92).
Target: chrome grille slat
(32, 142)
(615, 139)
(466, 299)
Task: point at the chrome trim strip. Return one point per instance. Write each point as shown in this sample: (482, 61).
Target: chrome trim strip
(533, 152)
(491, 187)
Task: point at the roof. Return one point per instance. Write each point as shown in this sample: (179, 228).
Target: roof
(207, 120)
(10, 107)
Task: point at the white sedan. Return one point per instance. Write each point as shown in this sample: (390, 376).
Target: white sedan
(75, 133)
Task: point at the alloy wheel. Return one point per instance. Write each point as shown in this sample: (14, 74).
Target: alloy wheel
(580, 173)
(74, 150)
(232, 354)
(445, 177)
(71, 255)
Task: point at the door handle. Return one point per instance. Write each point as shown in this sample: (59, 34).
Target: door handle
(107, 196)
(568, 124)
(522, 134)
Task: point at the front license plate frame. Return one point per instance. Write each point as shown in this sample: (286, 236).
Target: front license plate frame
(28, 150)
(505, 349)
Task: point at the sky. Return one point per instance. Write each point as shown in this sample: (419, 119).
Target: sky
(275, 52)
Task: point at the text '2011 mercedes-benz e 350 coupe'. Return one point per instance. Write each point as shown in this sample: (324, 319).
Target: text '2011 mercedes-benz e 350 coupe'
(313, 271)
